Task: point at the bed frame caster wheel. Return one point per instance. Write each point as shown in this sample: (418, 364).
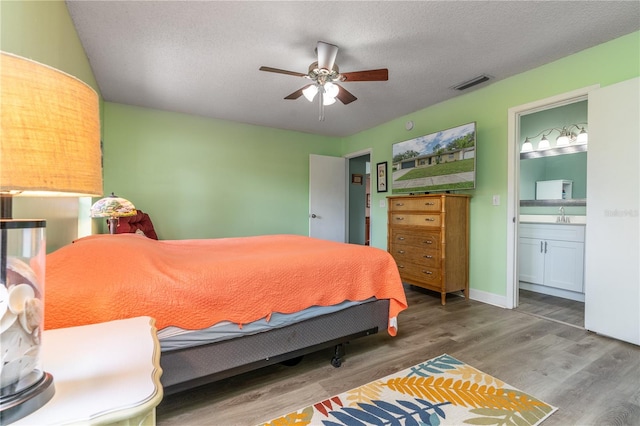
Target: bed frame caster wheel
(336, 361)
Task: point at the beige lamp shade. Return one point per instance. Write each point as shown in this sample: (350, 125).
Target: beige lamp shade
(50, 134)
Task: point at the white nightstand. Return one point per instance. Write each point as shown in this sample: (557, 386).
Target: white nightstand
(107, 373)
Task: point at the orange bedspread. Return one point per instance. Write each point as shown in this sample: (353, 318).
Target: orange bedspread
(194, 284)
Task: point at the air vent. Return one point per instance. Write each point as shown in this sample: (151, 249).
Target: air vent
(472, 82)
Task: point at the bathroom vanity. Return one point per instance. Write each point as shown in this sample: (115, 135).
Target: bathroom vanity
(551, 256)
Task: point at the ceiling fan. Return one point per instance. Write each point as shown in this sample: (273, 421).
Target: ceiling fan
(325, 74)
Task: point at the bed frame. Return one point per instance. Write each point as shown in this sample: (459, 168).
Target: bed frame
(187, 368)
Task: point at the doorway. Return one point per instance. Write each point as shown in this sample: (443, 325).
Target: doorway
(530, 300)
(359, 197)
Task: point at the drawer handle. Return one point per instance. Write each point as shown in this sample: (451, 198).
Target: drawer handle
(428, 272)
(427, 256)
(430, 219)
(400, 266)
(399, 204)
(399, 218)
(401, 251)
(428, 242)
(429, 203)
(401, 238)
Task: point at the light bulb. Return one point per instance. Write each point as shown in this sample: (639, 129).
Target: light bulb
(310, 92)
(543, 144)
(331, 90)
(563, 139)
(328, 100)
(526, 146)
(583, 137)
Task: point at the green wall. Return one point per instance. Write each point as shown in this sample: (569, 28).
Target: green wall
(43, 31)
(609, 63)
(204, 178)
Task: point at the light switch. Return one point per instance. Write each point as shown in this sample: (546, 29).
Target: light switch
(383, 203)
(496, 200)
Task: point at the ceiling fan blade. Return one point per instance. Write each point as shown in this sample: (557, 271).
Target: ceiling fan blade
(279, 71)
(326, 55)
(344, 95)
(369, 75)
(297, 93)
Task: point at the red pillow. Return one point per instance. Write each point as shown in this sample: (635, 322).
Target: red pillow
(141, 221)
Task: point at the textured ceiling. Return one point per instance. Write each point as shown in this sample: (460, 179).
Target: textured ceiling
(202, 57)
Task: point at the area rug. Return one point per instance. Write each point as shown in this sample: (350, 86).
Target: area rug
(440, 391)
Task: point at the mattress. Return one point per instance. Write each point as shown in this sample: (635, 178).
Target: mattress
(175, 338)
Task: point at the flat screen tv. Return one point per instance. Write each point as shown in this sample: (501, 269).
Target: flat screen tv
(437, 162)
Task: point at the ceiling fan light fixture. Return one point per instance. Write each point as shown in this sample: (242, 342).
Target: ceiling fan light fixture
(331, 90)
(323, 73)
(328, 100)
(310, 92)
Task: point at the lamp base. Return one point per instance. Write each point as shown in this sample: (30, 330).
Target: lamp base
(113, 224)
(21, 404)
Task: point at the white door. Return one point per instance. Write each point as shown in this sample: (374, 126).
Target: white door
(612, 274)
(328, 198)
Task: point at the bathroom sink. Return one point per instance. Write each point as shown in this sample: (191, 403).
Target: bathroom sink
(543, 218)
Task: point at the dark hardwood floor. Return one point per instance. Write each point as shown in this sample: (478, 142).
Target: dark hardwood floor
(554, 308)
(593, 380)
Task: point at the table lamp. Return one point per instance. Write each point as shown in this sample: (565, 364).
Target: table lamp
(113, 208)
(49, 145)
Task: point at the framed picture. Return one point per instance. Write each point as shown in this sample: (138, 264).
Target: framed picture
(440, 161)
(357, 179)
(382, 176)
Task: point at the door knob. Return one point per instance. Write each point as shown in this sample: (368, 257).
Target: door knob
(313, 216)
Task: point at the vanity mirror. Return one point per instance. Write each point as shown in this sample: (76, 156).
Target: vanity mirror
(553, 147)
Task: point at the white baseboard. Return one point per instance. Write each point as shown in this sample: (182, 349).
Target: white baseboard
(558, 292)
(489, 298)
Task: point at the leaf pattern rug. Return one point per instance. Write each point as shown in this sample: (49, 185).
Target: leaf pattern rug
(440, 391)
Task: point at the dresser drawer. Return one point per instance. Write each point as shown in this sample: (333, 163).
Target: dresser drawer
(420, 256)
(417, 239)
(419, 204)
(418, 273)
(415, 219)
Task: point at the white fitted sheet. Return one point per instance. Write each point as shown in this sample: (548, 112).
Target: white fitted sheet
(174, 338)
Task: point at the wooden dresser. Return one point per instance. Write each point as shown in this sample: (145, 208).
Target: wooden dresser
(428, 237)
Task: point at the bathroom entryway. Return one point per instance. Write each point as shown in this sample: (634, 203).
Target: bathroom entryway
(558, 309)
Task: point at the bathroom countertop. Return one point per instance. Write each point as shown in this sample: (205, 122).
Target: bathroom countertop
(552, 219)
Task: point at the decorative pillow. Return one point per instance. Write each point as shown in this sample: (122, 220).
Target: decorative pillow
(140, 222)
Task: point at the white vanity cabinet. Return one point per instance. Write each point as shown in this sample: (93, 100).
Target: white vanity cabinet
(552, 256)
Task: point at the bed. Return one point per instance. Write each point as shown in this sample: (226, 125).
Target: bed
(229, 305)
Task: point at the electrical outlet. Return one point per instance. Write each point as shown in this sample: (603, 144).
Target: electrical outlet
(383, 203)
(496, 200)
